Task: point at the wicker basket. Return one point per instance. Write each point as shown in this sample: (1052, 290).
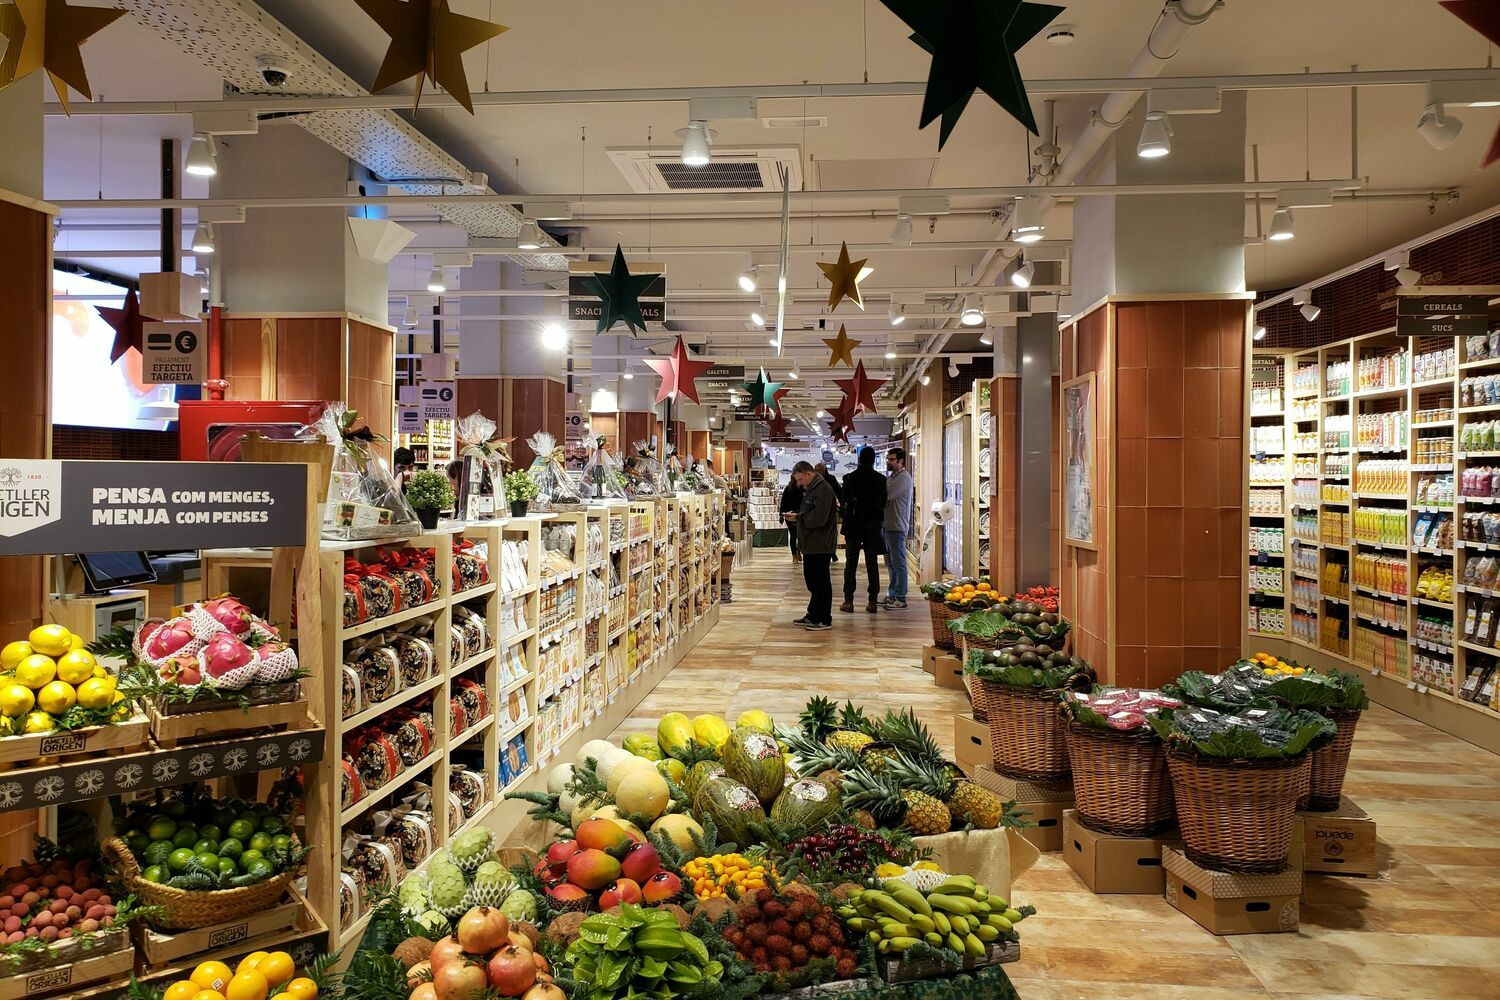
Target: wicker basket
(1235, 815)
(942, 637)
(1026, 733)
(1330, 763)
(1120, 780)
(1304, 781)
(186, 910)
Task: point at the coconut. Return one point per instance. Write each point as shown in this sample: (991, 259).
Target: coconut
(412, 951)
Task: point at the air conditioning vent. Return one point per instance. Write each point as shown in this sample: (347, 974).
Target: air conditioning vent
(660, 169)
(793, 121)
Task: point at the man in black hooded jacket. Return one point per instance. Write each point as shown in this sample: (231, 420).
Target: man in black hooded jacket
(864, 523)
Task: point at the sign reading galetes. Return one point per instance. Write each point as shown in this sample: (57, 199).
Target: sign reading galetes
(173, 353)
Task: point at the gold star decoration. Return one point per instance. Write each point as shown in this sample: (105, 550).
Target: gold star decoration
(428, 41)
(844, 276)
(46, 35)
(842, 347)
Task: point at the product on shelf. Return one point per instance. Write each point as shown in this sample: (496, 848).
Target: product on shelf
(364, 500)
(1387, 371)
(49, 681)
(1336, 430)
(1433, 451)
(1305, 381)
(1432, 365)
(1435, 531)
(1335, 527)
(1266, 439)
(1265, 400)
(1267, 472)
(1383, 431)
(1381, 525)
(1380, 572)
(1381, 477)
(1479, 390)
(1434, 490)
(1336, 379)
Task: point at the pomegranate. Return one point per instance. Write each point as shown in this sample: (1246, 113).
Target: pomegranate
(519, 940)
(541, 991)
(426, 991)
(542, 965)
(229, 612)
(460, 980)
(512, 971)
(445, 951)
(482, 930)
(418, 974)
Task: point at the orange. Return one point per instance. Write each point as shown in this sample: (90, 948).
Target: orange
(208, 995)
(211, 976)
(184, 989)
(247, 985)
(301, 988)
(277, 967)
(250, 961)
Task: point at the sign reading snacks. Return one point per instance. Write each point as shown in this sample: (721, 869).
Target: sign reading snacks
(584, 304)
(1439, 312)
(173, 353)
(50, 507)
(722, 377)
(437, 400)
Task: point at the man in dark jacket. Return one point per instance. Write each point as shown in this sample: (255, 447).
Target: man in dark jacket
(838, 494)
(864, 520)
(791, 502)
(818, 530)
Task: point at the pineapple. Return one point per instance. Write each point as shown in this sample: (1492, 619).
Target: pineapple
(983, 807)
(908, 734)
(816, 759)
(925, 815)
(853, 717)
(925, 787)
(817, 718)
(877, 794)
(878, 755)
(848, 739)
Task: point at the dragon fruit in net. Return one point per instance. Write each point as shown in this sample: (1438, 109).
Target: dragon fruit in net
(275, 661)
(228, 613)
(227, 662)
(170, 639)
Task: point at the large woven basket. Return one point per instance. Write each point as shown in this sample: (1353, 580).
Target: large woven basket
(1304, 781)
(1235, 815)
(942, 637)
(1331, 763)
(1026, 733)
(186, 910)
(978, 700)
(1120, 780)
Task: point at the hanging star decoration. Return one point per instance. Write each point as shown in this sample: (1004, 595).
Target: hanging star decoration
(1484, 17)
(764, 393)
(677, 371)
(620, 292)
(47, 35)
(844, 277)
(428, 41)
(973, 44)
(859, 391)
(778, 426)
(842, 347)
(127, 324)
(842, 422)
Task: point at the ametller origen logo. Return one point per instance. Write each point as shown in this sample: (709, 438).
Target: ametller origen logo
(30, 496)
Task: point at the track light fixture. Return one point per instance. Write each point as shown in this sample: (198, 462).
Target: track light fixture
(901, 231)
(1260, 331)
(987, 337)
(1156, 136)
(794, 374)
(530, 237)
(1437, 128)
(952, 369)
(1406, 275)
(410, 319)
(890, 352)
(1024, 272)
(757, 318)
(1283, 226)
(696, 139)
(627, 375)
(203, 238)
(926, 380)
(554, 336)
(1028, 226)
(896, 314)
(201, 159)
(1303, 300)
(435, 281)
(747, 279)
(972, 314)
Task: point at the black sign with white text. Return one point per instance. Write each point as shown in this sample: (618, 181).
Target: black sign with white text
(49, 507)
(584, 304)
(1438, 304)
(1442, 326)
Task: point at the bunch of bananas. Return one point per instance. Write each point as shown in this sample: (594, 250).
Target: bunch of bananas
(958, 914)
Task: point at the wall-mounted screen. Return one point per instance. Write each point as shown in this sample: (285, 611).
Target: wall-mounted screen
(87, 388)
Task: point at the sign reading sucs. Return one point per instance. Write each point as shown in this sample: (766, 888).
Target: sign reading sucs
(56, 507)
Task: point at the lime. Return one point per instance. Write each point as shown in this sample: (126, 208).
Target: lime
(260, 869)
(177, 809)
(162, 828)
(260, 809)
(206, 846)
(230, 848)
(137, 842)
(158, 852)
(210, 831)
(179, 860)
(152, 874)
(227, 866)
(186, 836)
(272, 824)
(242, 829)
(249, 857)
(261, 841)
(282, 840)
(209, 860)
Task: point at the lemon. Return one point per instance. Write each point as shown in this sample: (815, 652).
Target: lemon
(96, 692)
(54, 640)
(39, 722)
(99, 671)
(16, 700)
(76, 666)
(123, 712)
(7, 726)
(76, 642)
(57, 697)
(36, 671)
(13, 653)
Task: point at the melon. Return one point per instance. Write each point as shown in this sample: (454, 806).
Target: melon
(612, 759)
(558, 778)
(698, 774)
(672, 769)
(806, 804)
(643, 791)
(733, 807)
(679, 829)
(673, 732)
(595, 749)
(754, 759)
(756, 719)
(623, 769)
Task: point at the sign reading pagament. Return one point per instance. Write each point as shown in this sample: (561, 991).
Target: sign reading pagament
(61, 507)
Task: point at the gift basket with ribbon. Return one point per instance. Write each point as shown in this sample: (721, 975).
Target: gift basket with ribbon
(602, 478)
(555, 487)
(363, 498)
(644, 475)
(483, 454)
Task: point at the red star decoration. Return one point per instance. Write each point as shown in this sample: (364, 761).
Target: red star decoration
(677, 371)
(1484, 17)
(859, 391)
(127, 326)
(778, 426)
(843, 420)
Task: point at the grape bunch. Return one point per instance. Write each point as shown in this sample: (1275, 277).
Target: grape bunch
(844, 850)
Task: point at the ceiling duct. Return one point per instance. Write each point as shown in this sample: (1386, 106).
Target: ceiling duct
(658, 170)
(228, 36)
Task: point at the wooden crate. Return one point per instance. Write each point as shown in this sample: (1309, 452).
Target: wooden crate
(67, 952)
(899, 970)
(162, 947)
(170, 726)
(47, 982)
(25, 751)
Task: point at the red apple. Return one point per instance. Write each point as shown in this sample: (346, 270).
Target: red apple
(512, 971)
(640, 863)
(622, 890)
(661, 887)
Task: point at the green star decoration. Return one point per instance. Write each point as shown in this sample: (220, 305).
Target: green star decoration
(620, 292)
(973, 45)
(764, 393)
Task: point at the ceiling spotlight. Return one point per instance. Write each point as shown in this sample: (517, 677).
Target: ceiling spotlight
(1028, 226)
(695, 143)
(1437, 128)
(554, 336)
(1406, 275)
(1156, 136)
(822, 414)
(757, 318)
(953, 369)
(203, 238)
(896, 314)
(1022, 275)
(1283, 226)
(987, 337)
(794, 374)
(1260, 331)
(201, 161)
(890, 353)
(773, 343)
(901, 231)
(926, 379)
(202, 277)
(435, 281)
(530, 237)
(972, 314)
(410, 319)
(1311, 312)
(627, 376)
(747, 280)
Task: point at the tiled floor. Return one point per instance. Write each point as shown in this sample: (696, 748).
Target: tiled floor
(1428, 927)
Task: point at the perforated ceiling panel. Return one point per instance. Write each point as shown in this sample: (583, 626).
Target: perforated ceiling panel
(227, 35)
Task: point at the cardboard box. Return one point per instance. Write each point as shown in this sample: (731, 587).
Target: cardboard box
(1341, 842)
(1043, 804)
(1232, 904)
(1110, 864)
(971, 743)
(946, 669)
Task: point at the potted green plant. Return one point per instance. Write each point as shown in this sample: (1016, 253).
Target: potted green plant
(429, 493)
(520, 489)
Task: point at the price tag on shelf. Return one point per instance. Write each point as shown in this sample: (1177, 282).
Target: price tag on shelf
(1411, 685)
(1421, 689)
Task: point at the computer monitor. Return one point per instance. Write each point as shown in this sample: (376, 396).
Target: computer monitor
(106, 571)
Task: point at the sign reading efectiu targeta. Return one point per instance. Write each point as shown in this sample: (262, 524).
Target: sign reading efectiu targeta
(49, 507)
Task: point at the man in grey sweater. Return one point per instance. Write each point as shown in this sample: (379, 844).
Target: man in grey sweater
(816, 523)
(899, 524)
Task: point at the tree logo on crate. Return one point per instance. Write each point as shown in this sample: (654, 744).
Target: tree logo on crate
(30, 496)
(1333, 848)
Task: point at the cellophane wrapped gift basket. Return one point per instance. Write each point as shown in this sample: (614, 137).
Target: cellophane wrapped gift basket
(602, 478)
(480, 494)
(555, 487)
(363, 498)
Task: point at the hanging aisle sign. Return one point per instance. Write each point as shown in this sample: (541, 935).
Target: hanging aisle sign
(49, 508)
(585, 305)
(437, 400)
(408, 420)
(1444, 312)
(173, 353)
